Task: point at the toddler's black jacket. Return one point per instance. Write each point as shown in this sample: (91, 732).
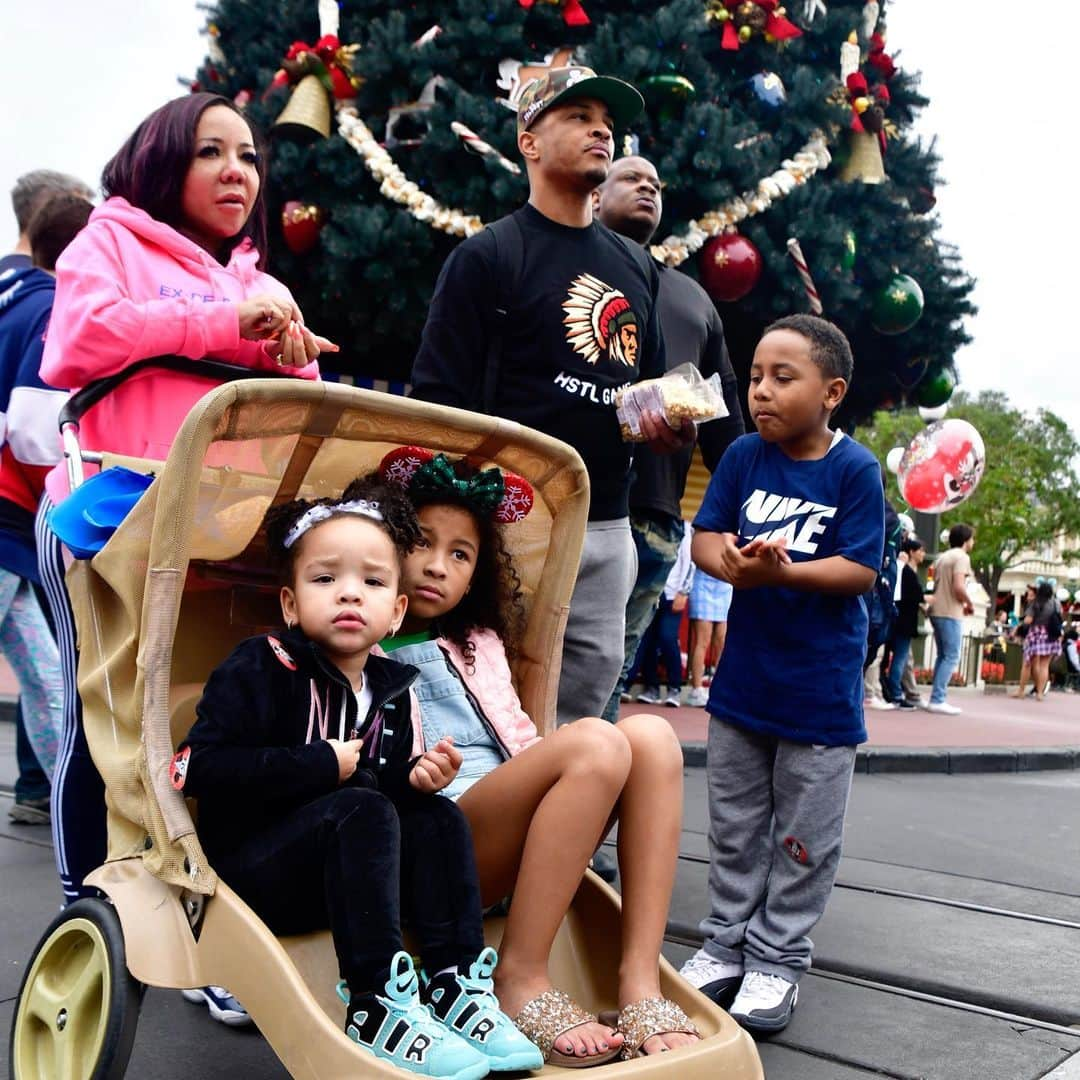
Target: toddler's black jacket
(258, 748)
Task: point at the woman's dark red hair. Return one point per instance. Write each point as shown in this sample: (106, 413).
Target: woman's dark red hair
(150, 168)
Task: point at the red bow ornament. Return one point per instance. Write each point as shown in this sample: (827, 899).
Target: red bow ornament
(868, 107)
(879, 59)
(742, 18)
(326, 59)
(572, 12)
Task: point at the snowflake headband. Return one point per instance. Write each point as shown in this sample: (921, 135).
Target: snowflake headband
(323, 512)
(506, 497)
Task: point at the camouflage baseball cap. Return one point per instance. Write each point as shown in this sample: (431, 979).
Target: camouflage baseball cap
(567, 83)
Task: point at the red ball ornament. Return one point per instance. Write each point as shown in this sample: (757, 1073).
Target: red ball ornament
(942, 466)
(300, 225)
(730, 266)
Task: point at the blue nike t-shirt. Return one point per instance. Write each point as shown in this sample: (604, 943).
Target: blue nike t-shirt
(792, 663)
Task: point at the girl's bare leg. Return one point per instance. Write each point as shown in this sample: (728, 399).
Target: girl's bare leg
(1025, 670)
(1040, 674)
(536, 821)
(650, 822)
(699, 644)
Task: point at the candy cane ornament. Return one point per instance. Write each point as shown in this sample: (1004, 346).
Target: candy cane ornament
(477, 145)
(799, 260)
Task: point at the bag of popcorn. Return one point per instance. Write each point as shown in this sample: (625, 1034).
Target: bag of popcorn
(682, 394)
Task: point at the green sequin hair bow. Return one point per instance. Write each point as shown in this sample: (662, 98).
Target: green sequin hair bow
(504, 496)
(483, 490)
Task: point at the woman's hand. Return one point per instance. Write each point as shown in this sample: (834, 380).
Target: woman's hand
(436, 767)
(348, 756)
(263, 317)
(297, 346)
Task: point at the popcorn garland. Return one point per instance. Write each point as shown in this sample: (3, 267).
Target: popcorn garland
(395, 185)
(793, 172)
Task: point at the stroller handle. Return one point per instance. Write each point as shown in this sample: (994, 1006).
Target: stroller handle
(80, 402)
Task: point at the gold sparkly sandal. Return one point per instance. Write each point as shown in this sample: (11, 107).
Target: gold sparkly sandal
(550, 1015)
(643, 1019)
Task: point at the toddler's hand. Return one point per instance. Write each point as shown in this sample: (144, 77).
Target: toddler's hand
(348, 755)
(436, 767)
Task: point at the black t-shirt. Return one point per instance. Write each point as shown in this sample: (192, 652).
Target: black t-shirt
(583, 325)
(907, 607)
(692, 331)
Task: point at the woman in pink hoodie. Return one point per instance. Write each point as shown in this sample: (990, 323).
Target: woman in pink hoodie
(537, 807)
(169, 264)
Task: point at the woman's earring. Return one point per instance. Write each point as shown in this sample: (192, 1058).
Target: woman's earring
(288, 624)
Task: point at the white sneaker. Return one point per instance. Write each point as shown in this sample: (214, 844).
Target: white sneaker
(698, 696)
(878, 703)
(673, 700)
(716, 979)
(943, 707)
(222, 1005)
(764, 1002)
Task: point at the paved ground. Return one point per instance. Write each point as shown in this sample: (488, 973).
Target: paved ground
(988, 720)
(948, 950)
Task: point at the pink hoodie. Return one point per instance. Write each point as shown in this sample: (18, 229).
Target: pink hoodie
(129, 287)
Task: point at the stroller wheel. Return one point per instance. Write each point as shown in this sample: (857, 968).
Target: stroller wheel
(78, 1006)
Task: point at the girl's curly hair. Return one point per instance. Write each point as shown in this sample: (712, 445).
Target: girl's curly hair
(398, 519)
(494, 600)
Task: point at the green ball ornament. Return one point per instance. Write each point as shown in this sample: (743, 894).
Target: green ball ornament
(936, 388)
(664, 88)
(850, 250)
(898, 306)
(668, 93)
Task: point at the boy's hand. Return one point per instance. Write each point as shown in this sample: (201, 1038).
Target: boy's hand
(348, 755)
(756, 564)
(436, 767)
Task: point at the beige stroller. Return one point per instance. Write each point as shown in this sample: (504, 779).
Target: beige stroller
(179, 583)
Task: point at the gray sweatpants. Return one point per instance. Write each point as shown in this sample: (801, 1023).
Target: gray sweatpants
(776, 823)
(593, 645)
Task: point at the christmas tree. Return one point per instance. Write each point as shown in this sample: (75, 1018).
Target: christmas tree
(766, 125)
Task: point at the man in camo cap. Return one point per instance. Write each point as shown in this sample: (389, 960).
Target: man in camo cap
(541, 318)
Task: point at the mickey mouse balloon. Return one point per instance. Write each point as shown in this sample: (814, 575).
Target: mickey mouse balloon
(942, 466)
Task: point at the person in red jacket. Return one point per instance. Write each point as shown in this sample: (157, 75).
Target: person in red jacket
(28, 449)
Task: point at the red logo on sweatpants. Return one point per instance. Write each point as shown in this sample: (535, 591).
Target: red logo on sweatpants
(796, 850)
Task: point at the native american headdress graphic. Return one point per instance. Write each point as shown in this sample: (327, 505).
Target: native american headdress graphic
(599, 321)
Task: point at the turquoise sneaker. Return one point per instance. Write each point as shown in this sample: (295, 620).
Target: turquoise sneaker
(467, 1005)
(395, 1026)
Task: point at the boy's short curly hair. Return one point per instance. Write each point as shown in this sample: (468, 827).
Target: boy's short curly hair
(398, 519)
(829, 347)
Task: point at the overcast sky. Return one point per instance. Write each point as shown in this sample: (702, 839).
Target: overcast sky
(82, 75)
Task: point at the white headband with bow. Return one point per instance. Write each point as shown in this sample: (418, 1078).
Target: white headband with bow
(317, 514)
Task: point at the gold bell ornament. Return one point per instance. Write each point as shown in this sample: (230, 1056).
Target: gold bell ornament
(307, 111)
(864, 161)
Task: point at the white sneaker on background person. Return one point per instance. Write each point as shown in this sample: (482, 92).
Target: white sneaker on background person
(944, 708)
(698, 696)
(878, 703)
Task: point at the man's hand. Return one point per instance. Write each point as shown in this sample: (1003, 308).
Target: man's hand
(662, 437)
(968, 607)
(348, 755)
(436, 767)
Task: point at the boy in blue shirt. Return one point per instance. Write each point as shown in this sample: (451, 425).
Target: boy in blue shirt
(794, 519)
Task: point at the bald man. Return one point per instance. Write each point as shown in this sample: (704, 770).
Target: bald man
(630, 202)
